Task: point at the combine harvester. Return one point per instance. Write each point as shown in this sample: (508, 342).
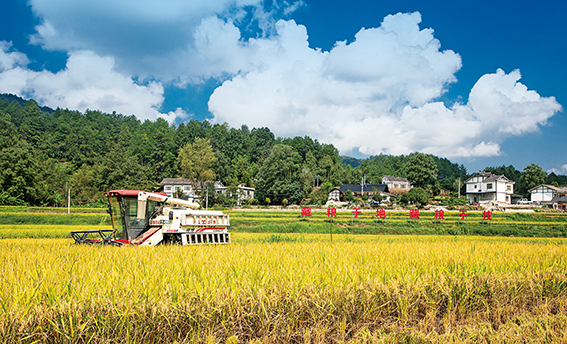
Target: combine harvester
(148, 219)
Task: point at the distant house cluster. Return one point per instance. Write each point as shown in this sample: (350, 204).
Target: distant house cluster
(485, 186)
(338, 193)
(173, 187)
(391, 186)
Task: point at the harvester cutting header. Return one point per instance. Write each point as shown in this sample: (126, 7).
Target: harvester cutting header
(148, 219)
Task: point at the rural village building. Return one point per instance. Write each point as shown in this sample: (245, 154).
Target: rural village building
(245, 193)
(545, 193)
(559, 203)
(485, 186)
(397, 185)
(170, 185)
(338, 193)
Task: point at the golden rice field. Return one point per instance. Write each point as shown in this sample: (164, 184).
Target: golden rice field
(287, 288)
(43, 231)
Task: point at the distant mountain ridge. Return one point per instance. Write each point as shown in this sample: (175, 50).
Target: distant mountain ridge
(12, 97)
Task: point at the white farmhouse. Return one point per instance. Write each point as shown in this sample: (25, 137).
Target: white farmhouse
(485, 186)
(184, 187)
(170, 186)
(545, 193)
(397, 185)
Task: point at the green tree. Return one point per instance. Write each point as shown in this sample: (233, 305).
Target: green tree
(279, 176)
(349, 196)
(421, 169)
(8, 133)
(86, 185)
(196, 160)
(20, 170)
(557, 179)
(532, 176)
(415, 195)
(242, 170)
(327, 164)
(377, 197)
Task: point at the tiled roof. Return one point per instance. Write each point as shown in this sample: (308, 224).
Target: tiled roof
(367, 187)
(559, 189)
(394, 179)
(559, 199)
(176, 181)
(183, 181)
(489, 177)
(495, 178)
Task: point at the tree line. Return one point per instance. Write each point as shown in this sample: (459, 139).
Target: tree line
(43, 151)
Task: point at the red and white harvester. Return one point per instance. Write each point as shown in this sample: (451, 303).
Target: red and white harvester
(148, 219)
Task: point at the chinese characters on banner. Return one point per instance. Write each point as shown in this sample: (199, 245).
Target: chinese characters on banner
(462, 214)
(486, 215)
(381, 213)
(439, 215)
(414, 214)
(332, 212)
(356, 211)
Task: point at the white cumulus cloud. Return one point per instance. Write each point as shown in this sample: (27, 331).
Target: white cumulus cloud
(377, 94)
(153, 39)
(558, 170)
(88, 82)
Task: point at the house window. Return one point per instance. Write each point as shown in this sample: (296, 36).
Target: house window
(167, 188)
(489, 186)
(508, 187)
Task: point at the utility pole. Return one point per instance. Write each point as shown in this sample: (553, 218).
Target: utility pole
(68, 198)
(459, 187)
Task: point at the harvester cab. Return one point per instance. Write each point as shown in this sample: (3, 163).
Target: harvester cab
(147, 219)
(124, 211)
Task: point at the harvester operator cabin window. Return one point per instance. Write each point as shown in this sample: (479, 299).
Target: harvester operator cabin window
(131, 205)
(116, 220)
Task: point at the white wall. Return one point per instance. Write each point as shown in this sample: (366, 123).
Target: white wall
(541, 194)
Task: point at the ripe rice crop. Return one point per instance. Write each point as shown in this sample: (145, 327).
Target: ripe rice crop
(42, 231)
(54, 218)
(286, 288)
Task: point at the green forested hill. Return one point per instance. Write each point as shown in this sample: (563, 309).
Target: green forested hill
(42, 150)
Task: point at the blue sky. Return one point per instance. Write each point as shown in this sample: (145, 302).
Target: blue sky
(482, 84)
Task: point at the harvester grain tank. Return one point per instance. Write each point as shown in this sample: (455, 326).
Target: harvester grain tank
(148, 219)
